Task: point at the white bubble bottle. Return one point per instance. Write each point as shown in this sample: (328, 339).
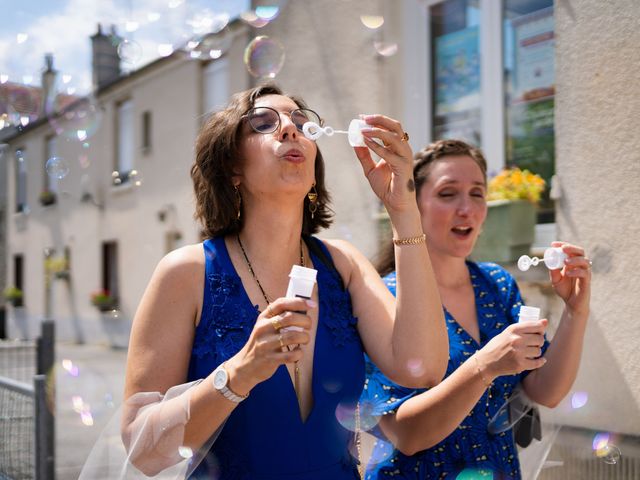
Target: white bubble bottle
(528, 314)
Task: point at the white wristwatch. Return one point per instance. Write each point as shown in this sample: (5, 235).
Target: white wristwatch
(221, 382)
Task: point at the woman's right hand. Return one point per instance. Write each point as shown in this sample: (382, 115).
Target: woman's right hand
(269, 344)
(516, 349)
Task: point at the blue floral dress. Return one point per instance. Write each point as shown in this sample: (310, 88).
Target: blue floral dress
(470, 448)
(265, 438)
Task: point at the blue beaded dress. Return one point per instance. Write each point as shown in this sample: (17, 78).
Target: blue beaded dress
(470, 451)
(265, 438)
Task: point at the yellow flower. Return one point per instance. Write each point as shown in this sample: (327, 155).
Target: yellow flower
(516, 184)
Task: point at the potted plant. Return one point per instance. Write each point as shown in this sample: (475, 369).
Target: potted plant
(509, 229)
(47, 197)
(58, 267)
(103, 300)
(13, 295)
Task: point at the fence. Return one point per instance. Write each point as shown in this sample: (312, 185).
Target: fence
(26, 409)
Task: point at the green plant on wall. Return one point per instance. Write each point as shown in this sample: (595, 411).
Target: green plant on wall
(13, 295)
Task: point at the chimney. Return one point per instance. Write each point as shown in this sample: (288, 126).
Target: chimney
(105, 60)
(48, 82)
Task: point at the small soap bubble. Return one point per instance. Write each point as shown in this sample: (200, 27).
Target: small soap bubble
(185, 452)
(579, 399)
(386, 49)
(165, 49)
(82, 390)
(56, 167)
(251, 18)
(135, 178)
(264, 57)
(416, 367)
(346, 415)
(131, 26)
(153, 17)
(130, 52)
(4, 78)
(66, 79)
(372, 21)
(267, 12)
(21, 37)
(77, 121)
(382, 451)
(475, 474)
(609, 454)
(211, 45)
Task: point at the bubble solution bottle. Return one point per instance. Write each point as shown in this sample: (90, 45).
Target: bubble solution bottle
(528, 314)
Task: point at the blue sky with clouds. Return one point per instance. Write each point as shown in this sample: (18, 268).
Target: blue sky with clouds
(31, 28)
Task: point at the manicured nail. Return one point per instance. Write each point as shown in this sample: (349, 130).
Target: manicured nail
(311, 303)
(366, 130)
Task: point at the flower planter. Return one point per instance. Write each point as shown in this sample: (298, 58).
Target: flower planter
(507, 233)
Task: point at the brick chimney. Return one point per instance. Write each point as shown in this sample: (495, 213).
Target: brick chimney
(105, 60)
(48, 82)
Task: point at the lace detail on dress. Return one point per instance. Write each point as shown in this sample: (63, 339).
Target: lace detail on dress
(228, 321)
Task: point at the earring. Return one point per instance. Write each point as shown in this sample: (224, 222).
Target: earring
(313, 200)
(239, 200)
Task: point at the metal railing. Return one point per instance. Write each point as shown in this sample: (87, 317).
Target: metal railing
(26, 410)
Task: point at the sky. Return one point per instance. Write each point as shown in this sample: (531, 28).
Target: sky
(31, 28)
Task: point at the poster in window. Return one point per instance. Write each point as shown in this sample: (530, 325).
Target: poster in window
(530, 143)
(457, 85)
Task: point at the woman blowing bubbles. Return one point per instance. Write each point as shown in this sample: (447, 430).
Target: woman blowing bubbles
(216, 310)
(442, 431)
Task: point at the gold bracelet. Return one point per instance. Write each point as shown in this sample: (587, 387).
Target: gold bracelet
(487, 384)
(410, 240)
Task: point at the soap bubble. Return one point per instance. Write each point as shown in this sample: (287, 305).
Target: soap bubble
(135, 178)
(57, 167)
(84, 391)
(165, 49)
(372, 21)
(416, 367)
(382, 451)
(251, 18)
(346, 415)
(76, 121)
(264, 57)
(130, 52)
(475, 474)
(267, 12)
(605, 450)
(185, 452)
(579, 399)
(211, 45)
(205, 21)
(386, 49)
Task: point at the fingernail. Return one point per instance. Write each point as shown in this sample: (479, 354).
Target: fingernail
(311, 303)
(366, 118)
(366, 130)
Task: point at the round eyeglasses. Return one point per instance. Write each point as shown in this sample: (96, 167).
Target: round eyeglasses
(267, 119)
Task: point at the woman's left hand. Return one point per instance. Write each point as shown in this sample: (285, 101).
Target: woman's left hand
(572, 283)
(391, 178)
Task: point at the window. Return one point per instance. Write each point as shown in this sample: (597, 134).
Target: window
(21, 181)
(529, 70)
(216, 85)
(110, 268)
(124, 141)
(18, 272)
(146, 131)
(455, 77)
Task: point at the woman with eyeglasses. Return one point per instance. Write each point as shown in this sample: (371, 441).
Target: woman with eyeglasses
(273, 376)
(460, 428)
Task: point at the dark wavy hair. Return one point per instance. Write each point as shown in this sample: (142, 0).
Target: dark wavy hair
(424, 159)
(217, 161)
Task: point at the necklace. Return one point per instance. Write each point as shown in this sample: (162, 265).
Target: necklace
(296, 365)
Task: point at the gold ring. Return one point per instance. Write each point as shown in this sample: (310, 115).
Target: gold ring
(405, 137)
(280, 340)
(276, 324)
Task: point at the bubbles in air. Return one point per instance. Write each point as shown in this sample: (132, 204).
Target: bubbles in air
(347, 416)
(579, 399)
(74, 119)
(130, 52)
(264, 57)
(372, 21)
(605, 450)
(57, 168)
(386, 49)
